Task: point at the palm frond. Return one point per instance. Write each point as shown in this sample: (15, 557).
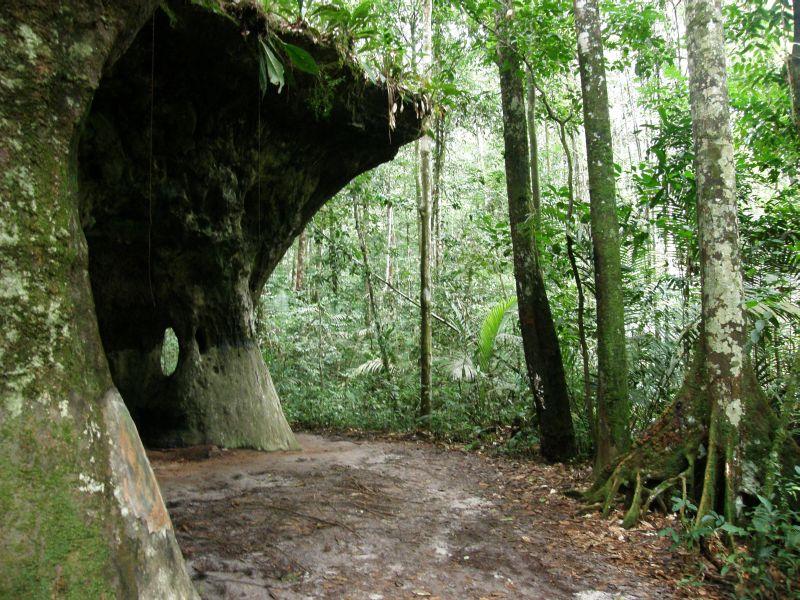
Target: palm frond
(490, 328)
(462, 369)
(371, 367)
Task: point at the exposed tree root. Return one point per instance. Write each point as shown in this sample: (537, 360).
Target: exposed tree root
(671, 458)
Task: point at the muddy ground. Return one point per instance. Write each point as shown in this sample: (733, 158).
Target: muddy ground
(376, 519)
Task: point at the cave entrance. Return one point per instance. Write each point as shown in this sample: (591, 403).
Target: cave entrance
(193, 185)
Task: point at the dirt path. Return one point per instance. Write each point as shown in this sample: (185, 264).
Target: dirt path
(383, 520)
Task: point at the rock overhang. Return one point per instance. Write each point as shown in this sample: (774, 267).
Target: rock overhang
(194, 180)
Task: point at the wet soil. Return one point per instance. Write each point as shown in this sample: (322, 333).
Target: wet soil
(377, 519)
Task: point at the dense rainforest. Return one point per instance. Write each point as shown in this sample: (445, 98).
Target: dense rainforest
(524, 269)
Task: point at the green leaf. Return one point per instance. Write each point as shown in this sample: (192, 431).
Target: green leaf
(173, 18)
(362, 10)
(301, 59)
(490, 328)
(733, 529)
(274, 67)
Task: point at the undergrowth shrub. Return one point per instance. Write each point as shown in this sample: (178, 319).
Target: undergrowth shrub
(761, 557)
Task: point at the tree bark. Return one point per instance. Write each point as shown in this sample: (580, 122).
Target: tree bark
(390, 243)
(540, 341)
(793, 64)
(533, 144)
(299, 261)
(438, 167)
(718, 232)
(613, 403)
(721, 424)
(424, 213)
(376, 318)
(82, 515)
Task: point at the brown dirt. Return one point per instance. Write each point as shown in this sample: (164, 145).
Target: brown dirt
(398, 519)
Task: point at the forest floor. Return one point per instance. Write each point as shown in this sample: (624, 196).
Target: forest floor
(383, 519)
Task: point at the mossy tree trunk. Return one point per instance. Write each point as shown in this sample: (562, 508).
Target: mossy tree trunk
(713, 444)
(81, 514)
(718, 232)
(539, 338)
(613, 403)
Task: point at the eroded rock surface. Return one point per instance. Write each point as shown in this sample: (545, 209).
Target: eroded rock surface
(193, 186)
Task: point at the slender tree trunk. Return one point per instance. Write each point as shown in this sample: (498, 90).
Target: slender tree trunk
(717, 222)
(548, 172)
(536, 195)
(332, 261)
(793, 64)
(438, 166)
(299, 261)
(613, 404)
(376, 318)
(389, 271)
(540, 342)
(587, 386)
(424, 212)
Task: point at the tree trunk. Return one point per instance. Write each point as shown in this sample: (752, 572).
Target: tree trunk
(718, 232)
(82, 515)
(376, 318)
(721, 423)
(424, 212)
(390, 243)
(299, 261)
(793, 64)
(613, 403)
(588, 405)
(438, 167)
(533, 144)
(540, 341)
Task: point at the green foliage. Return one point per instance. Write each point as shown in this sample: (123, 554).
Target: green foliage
(301, 58)
(490, 328)
(270, 68)
(319, 341)
(764, 561)
(350, 25)
(169, 352)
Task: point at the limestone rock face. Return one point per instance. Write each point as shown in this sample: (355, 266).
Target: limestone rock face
(193, 184)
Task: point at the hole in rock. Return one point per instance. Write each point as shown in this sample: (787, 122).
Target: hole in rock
(170, 352)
